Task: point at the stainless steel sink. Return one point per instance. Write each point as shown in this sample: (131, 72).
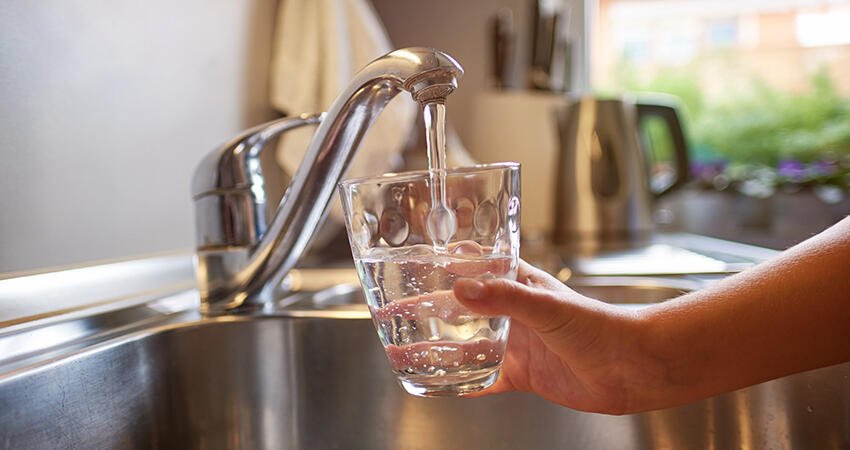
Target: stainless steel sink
(633, 290)
(312, 375)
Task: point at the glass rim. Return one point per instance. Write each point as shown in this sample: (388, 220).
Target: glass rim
(418, 174)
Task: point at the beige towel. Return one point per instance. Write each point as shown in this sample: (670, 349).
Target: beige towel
(319, 46)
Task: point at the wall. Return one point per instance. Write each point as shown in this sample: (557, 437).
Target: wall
(461, 28)
(106, 108)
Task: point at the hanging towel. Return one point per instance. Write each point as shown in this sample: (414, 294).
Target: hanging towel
(319, 46)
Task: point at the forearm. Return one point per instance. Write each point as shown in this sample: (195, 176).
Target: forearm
(787, 315)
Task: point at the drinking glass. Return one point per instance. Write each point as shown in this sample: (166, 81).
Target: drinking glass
(434, 345)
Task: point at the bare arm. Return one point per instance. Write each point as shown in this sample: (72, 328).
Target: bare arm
(787, 315)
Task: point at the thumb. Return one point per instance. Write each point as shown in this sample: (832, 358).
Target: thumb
(538, 309)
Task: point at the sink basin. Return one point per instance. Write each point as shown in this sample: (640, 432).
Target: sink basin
(633, 290)
(313, 376)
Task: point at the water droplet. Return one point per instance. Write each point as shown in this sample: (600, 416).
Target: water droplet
(439, 373)
(480, 357)
(809, 408)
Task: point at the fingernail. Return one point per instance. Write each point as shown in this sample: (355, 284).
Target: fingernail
(470, 289)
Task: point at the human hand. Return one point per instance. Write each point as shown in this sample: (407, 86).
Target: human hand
(564, 347)
(748, 328)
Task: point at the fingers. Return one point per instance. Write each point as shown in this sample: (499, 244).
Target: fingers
(441, 304)
(479, 267)
(541, 310)
(534, 277)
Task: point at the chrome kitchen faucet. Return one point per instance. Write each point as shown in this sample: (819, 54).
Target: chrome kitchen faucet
(242, 258)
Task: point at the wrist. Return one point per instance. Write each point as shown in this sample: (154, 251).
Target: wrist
(660, 360)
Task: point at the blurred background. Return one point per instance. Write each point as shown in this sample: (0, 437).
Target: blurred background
(108, 106)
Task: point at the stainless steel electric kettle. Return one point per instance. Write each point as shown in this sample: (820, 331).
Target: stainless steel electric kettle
(604, 189)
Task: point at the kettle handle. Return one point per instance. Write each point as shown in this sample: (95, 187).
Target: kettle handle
(670, 115)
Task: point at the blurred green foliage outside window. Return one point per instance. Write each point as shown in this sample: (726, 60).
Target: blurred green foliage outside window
(755, 114)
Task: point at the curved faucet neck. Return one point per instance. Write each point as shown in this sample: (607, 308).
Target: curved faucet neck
(256, 276)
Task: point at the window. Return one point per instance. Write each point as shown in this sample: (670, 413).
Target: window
(722, 33)
(764, 84)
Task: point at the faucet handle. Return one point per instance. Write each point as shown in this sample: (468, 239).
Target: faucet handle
(231, 166)
(228, 186)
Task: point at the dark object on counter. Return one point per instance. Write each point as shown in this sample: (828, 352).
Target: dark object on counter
(503, 39)
(551, 50)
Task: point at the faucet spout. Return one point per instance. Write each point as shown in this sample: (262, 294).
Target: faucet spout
(248, 276)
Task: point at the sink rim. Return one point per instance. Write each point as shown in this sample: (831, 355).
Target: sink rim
(639, 282)
(83, 298)
(100, 329)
